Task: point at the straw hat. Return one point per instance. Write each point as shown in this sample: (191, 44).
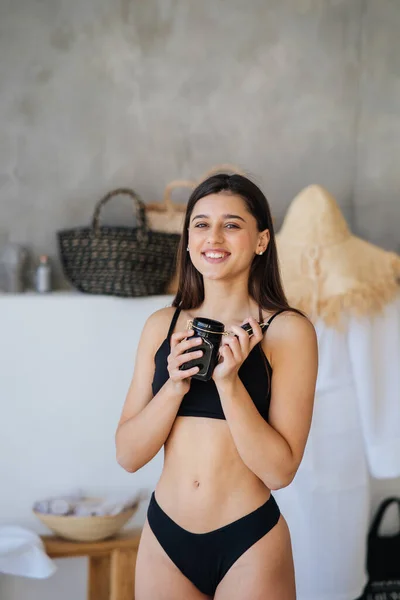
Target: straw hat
(327, 271)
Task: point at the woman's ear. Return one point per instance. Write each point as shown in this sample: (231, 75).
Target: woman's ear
(263, 241)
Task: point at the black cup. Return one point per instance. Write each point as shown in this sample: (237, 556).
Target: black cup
(211, 333)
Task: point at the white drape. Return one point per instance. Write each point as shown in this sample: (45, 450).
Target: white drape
(355, 433)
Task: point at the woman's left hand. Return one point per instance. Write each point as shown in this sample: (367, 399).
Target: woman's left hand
(234, 350)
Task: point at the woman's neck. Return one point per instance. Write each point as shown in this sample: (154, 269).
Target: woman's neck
(227, 307)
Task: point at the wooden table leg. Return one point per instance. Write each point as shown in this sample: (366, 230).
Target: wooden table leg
(99, 577)
(122, 574)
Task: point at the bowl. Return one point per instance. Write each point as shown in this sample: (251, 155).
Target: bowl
(86, 529)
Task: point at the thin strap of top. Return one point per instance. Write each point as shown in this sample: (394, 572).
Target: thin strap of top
(275, 315)
(173, 323)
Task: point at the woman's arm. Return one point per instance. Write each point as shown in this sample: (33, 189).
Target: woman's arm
(144, 426)
(273, 450)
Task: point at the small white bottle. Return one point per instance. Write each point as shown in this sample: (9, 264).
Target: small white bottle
(43, 275)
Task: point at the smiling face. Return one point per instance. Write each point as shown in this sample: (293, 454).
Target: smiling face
(223, 236)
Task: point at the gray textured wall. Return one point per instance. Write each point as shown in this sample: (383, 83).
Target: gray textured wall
(97, 94)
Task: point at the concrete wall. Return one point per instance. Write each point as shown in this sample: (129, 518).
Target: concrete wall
(377, 175)
(100, 94)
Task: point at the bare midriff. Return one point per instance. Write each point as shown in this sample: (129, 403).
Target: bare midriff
(205, 484)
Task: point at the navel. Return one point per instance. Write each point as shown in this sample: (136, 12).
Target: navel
(196, 483)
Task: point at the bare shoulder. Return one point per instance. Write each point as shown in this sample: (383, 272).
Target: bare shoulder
(157, 325)
(290, 330)
(291, 325)
(161, 317)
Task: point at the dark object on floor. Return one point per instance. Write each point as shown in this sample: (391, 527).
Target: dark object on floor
(383, 563)
(383, 554)
(382, 590)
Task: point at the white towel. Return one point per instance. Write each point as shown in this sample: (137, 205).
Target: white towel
(60, 505)
(22, 553)
(79, 506)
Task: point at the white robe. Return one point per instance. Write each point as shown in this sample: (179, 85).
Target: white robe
(355, 433)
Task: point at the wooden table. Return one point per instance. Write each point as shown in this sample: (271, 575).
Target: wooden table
(111, 572)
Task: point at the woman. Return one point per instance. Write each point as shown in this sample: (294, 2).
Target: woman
(213, 530)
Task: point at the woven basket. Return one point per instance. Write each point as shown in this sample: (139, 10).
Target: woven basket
(86, 529)
(119, 261)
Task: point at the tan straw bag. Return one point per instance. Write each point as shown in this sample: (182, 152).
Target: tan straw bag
(229, 168)
(167, 216)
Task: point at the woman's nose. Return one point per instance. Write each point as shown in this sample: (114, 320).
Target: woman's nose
(215, 235)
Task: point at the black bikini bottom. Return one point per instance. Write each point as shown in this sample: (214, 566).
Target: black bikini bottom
(204, 558)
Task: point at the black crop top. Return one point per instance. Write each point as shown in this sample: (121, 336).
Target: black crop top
(202, 399)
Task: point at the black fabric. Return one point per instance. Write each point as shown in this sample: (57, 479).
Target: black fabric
(382, 590)
(383, 556)
(172, 325)
(202, 399)
(205, 558)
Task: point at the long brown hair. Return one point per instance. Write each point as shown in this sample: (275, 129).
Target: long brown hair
(265, 285)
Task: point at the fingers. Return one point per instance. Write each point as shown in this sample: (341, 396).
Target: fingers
(175, 362)
(242, 343)
(257, 334)
(179, 375)
(183, 340)
(233, 343)
(179, 336)
(183, 349)
(226, 354)
(183, 358)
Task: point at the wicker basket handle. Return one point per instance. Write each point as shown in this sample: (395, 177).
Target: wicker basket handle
(380, 514)
(223, 168)
(137, 203)
(172, 185)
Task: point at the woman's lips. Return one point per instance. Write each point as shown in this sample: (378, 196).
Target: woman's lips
(213, 260)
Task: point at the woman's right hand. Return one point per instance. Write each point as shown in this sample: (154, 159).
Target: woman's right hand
(181, 341)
